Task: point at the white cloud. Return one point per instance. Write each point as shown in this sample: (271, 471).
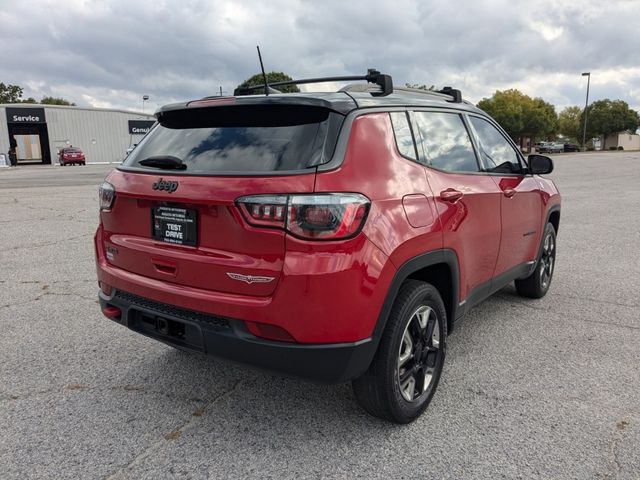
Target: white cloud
(110, 53)
(548, 32)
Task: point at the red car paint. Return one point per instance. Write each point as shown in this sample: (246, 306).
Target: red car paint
(323, 292)
(71, 156)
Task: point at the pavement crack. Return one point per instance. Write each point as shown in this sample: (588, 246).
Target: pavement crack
(173, 434)
(597, 300)
(614, 446)
(47, 244)
(45, 293)
(516, 303)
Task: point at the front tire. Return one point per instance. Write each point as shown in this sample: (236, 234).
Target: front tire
(405, 371)
(537, 284)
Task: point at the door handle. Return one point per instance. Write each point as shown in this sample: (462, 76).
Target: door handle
(451, 195)
(509, 192)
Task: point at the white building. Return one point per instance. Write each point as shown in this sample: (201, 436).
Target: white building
(622, 141)
(40, 131)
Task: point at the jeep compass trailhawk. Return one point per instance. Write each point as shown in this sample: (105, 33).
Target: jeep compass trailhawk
(332, 236)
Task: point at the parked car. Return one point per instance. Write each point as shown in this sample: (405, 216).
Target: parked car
(551, 147)
(570, 147)
(332, 236)
(71, 156)
(130, 149)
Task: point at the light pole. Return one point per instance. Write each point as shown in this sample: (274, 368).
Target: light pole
(586, 103)
(144, 99)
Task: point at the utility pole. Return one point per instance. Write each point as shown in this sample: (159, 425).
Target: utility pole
(586, 103)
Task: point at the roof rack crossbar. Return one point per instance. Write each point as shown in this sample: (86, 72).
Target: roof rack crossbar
(455, 96)
(372, 76)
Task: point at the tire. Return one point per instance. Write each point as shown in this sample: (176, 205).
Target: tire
(537, 284)
(418, 320)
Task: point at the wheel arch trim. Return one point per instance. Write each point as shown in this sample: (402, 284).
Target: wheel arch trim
(436, 257)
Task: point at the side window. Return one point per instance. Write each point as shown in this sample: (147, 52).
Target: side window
(496, 152)
(402, 131)
(445, 142)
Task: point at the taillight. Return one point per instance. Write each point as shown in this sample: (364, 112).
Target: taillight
(106, 195)
(323, 216)
(264, 210)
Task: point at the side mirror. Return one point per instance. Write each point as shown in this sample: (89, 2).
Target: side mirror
(540, 165)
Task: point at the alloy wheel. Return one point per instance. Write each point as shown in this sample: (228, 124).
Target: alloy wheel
(547, 260)
(419, 353)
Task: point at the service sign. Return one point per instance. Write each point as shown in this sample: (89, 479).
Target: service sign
(25, 115)
(140, 127)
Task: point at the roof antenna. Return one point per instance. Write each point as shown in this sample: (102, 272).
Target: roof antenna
(264, 75)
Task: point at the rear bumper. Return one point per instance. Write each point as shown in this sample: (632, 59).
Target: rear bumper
(229, 338)
(331, 294)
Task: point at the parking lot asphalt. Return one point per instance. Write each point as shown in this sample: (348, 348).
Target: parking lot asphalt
(531, 388)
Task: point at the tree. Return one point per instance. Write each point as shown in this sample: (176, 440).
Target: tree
(605, 117)
(418, 86)
(56, 101)
(13, 94)
(272, 77)
(521, 115)
(10, 93)
(570, 123)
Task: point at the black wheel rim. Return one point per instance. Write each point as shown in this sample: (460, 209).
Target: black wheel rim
(419, 353)
(547, 260)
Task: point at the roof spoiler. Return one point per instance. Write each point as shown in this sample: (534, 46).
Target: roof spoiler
(373, 76)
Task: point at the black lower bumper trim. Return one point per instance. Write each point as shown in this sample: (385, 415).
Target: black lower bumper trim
(230, 339)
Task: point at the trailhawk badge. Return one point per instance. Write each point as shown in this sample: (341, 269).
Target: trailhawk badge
(250, 278)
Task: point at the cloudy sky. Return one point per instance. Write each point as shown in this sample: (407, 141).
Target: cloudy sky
(109, 53)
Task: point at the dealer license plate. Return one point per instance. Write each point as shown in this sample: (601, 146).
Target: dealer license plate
(175, 225)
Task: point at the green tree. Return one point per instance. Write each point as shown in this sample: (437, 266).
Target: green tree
(521, 115)
(10, 93)
(56, 101)
(13, 94)
(605, 117)
(570, 123)
(272, 77)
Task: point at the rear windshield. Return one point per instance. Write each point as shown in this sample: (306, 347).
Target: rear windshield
(241, 139)
(72, 150)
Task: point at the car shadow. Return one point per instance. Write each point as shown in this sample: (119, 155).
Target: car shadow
(250, 399)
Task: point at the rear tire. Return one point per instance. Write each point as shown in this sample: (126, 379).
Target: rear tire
(405, 371)
(537, 284)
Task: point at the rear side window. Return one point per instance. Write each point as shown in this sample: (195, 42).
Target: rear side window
(497, 153)
(242, 139)
(402, 131)
(445, 142)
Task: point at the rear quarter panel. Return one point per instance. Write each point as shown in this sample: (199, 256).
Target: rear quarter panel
(374, 167)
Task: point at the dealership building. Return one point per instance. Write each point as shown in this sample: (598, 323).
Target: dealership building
(40, 131)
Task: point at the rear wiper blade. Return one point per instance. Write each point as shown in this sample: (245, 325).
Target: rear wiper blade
(166, 162)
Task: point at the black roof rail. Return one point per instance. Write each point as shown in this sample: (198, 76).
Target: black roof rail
(373, 76)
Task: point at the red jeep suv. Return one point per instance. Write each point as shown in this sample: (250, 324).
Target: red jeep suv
(332, 236)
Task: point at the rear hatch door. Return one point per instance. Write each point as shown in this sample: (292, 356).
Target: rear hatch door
(181, 225)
